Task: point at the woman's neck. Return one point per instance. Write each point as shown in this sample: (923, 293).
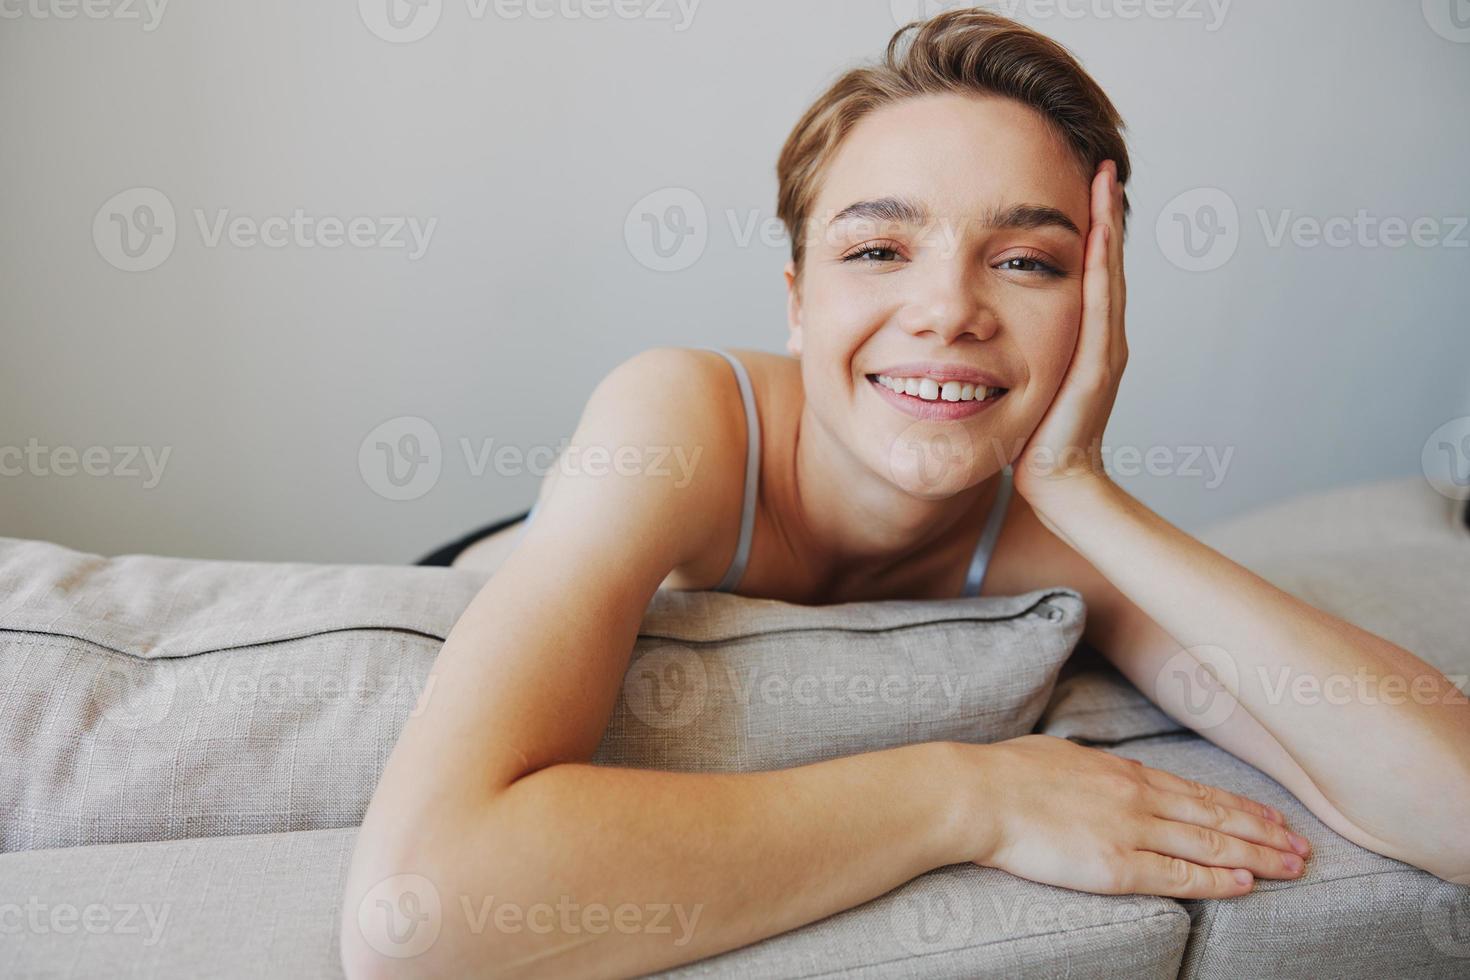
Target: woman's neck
(864, 527)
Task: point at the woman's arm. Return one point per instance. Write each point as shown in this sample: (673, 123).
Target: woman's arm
(1372, 739)
(541, 864)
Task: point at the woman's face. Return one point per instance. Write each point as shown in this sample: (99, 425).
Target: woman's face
(948, 232)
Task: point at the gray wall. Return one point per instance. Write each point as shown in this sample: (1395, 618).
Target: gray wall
(530, 142)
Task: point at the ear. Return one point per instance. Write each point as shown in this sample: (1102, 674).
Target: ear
(793, 311)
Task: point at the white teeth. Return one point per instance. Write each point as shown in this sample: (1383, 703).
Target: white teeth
(932, 390)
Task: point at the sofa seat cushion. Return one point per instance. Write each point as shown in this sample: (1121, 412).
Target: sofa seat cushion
(1354, 914)
(266, 905)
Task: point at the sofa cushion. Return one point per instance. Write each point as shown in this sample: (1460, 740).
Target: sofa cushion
(1354, 914)
(147, 698)
(267, 906)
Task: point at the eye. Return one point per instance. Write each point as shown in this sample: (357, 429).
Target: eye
(880, 252)
(1031, 262)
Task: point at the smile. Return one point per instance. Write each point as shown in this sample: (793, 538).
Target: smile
(928, 398)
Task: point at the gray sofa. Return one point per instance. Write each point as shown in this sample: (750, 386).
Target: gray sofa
(216, 843)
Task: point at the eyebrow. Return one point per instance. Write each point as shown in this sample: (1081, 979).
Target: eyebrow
(901, 210)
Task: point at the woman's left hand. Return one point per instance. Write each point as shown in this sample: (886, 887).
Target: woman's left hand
(1064, 454)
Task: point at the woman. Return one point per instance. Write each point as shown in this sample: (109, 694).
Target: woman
(956, 300)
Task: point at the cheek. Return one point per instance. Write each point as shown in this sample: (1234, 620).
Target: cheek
(1048, 350)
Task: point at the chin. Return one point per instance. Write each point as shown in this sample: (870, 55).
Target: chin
(934, 460)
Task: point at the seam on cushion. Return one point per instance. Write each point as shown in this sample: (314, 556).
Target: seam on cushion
(652, 634)
(1167, 914)
(225, 649)
(823, 629)
(897, 628)
(932, 621)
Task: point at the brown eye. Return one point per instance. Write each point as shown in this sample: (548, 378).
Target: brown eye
(1033, 264)
(871, 252)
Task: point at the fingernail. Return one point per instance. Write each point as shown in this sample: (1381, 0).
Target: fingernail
(1299, 844)
(1243, 876)
(1293, 863)
(1274, 815)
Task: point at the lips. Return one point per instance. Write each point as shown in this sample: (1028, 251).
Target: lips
(938, 409)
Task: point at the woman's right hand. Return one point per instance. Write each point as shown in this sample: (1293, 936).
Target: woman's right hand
(1088, 820)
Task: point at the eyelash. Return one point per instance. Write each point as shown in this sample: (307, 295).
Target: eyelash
(1043, 267)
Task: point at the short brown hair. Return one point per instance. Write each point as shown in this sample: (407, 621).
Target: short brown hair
(962, 50)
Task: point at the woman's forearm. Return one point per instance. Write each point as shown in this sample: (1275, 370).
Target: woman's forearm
(1375, 727)
(584, 870)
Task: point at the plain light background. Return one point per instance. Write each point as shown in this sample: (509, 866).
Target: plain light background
(532, 133)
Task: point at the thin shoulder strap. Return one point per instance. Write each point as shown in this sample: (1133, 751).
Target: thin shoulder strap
(752, 474)
(993, 523)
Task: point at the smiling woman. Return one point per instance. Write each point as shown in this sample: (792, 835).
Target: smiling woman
(955, 294)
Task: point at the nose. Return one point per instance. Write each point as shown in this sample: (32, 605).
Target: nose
(948, 302)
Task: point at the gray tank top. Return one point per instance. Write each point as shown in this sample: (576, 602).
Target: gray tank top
(736, 570)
